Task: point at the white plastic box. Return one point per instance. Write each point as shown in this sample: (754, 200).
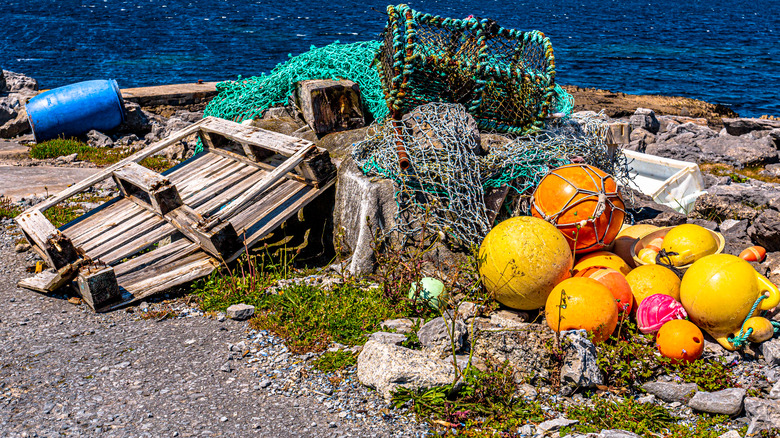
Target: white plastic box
(674, 183)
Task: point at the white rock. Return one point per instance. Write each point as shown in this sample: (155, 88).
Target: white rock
(386, 367)
(240, 312)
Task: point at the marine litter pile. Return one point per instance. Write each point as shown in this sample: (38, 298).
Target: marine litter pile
(566, 295)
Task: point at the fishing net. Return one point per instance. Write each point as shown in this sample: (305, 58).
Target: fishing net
(504, 77)
(443, 189)
(249, 97)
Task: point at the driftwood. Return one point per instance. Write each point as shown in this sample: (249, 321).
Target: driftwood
(166, 229)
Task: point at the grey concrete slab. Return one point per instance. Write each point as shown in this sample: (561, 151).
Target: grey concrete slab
(11, 150)
(18, 181)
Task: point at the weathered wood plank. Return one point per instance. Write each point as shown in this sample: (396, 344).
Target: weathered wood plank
(53, 246)
(272, 141)
(217, 189)
(112, 255)
(182, 247)
(147, 188)
(330, 105)
(259, 165)
(220, 241)
(168, 259)
(202, 181)
(50, 279)
(270, 200)
(494, 199)
(257, 189)
(135, 224)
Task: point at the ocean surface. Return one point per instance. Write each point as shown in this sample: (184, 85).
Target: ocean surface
(717, 50)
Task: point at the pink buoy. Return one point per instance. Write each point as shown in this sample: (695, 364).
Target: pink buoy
(656, 310)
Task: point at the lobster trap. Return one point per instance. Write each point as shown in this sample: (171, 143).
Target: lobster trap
(504, 77)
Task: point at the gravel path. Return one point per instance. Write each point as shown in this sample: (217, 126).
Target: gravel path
(65, 371)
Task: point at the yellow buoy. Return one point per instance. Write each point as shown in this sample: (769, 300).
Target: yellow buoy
(762, 329)
(718, 291)
(582, 303)
(690, 242)
(648, 280)
(627, 238)
(521, 261)
(604, 259)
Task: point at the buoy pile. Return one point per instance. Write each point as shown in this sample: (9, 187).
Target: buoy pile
(674, 281)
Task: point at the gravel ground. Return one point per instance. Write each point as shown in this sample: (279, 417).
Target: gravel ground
(66, 371)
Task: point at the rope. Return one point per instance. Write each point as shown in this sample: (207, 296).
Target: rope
(741, 339)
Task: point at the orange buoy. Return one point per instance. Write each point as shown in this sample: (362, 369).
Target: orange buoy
(583, 202)
(582, 303)
(680, 340)
(603, 259)
(753, 254)
(615, 282)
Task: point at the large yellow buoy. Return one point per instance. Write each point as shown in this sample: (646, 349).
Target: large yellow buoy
(582, 303)
(649, 280)
(627, 238)
(718, 292)
(522, 259)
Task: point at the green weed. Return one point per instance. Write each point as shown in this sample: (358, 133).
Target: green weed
(485, 403)
(61, 214)
(60, 147)
(8, 209)
(709, 375)
(310, 318)
(334, 361)
(645, 419)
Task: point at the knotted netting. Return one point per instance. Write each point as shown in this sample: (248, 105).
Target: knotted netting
(247, 98)
(504, 77)
(443, 189)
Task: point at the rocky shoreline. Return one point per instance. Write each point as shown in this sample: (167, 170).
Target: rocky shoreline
(745, 210)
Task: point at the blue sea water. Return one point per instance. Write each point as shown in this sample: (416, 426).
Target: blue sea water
(721, 51)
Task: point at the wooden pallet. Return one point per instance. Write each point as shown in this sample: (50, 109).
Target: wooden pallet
(167, 229)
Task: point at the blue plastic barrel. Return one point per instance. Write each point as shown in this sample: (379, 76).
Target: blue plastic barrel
(76, 109)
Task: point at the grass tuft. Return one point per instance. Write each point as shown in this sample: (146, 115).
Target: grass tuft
(8, 210)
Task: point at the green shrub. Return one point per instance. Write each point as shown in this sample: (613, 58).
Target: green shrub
(334, 361)
(60, 147)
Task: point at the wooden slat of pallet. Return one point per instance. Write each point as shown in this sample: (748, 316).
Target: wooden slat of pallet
(147, 188)
(202, 181)
(259, 165)
(278, 194)
(273, 141)
(196, 161)
(131, 217)
(196, 199)
(165, 254)
(52, 245)
(184, 270)
(183, 181)
(120, 211)
(213, 205)
(257, 189)
(142, 242)
(84, 224)
(101, 247)
(106, 173)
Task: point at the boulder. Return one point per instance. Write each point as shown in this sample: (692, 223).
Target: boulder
(771, 170)
(553, 425)
(6, 112)
(19, 83)
(617, 433)
(421, 131)
(339, 144)
(681, 142)
(136, 120)
(240, 312)
(763, 414)
(736, 235)
(640, 138)
(362, 209)
(526, 348)
(580, 362)
(646, 211)
(645, 119)
(738, 151)
(726, 401)
(772, 267)
(671, 392)
(765, 230)
(740, 126)
(439, 335)
(509, 318)
(771, 351)
(774, 393)
(386, 367)
(2, 81)
(17, 126)
(387, 338)
(97, 139)
(719, 208)
(400, 325)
